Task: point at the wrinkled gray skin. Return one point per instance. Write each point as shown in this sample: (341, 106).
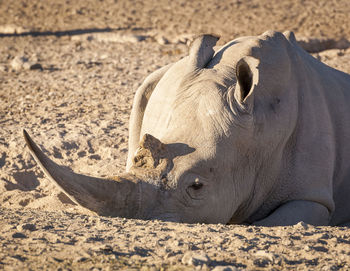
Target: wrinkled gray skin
(256, 132)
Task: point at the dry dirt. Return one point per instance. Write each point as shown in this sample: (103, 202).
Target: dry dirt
(68, 73)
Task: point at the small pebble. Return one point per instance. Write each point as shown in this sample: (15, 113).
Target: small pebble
(18, 62)
(12, 29)
(264, 254)
(27, 226)
(225, 268)
(162, 40)
(195, 258)
(26, 66)
(302, 225)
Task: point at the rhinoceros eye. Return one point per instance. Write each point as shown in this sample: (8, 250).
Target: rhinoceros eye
(195, 189)
(196, 185)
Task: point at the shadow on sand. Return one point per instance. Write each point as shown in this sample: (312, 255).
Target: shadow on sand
(72, 32)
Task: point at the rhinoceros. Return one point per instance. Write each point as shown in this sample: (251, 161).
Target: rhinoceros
(257, 131)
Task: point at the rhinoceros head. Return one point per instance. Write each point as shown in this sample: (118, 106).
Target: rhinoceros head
(206, 139)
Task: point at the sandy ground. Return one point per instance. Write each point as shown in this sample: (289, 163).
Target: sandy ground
(68, 73)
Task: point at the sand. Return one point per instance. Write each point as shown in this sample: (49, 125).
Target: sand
(68, 73)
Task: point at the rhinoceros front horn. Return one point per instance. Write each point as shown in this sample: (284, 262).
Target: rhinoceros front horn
(117, 196)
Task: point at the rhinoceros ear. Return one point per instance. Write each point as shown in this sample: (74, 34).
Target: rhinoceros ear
(290, 36)
(247, 78)
(201, 50)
